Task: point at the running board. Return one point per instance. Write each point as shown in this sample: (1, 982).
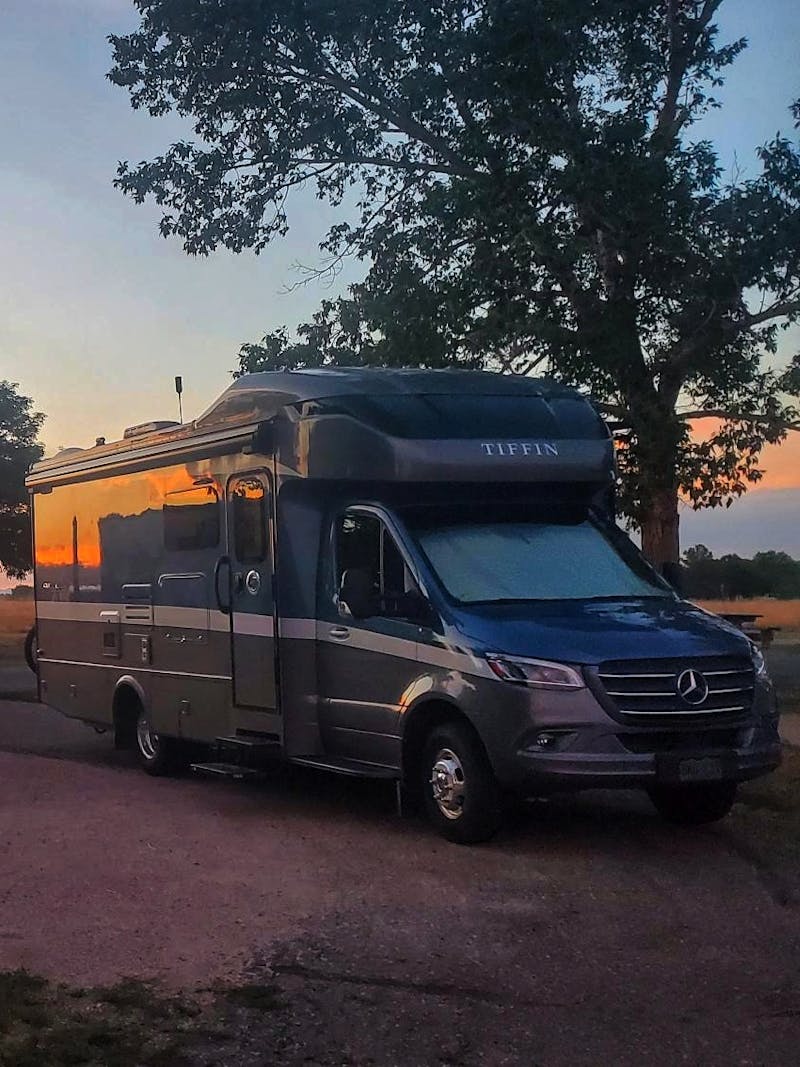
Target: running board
(351, 767)
(226, 770)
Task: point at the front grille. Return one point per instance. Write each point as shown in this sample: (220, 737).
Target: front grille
(647, 690)
(679, 741)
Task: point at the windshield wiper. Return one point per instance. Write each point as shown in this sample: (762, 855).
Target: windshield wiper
(568, 600)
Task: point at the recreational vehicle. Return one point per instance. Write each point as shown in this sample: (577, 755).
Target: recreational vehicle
(404, 574)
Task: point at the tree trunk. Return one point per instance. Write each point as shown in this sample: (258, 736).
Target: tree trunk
(660, 539)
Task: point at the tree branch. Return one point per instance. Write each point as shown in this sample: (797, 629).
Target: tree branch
(395, 164)
(407, 124)
(333, 265)
(779, 310)
(326, 74)
(681, 46)
(618, 410)
(737, 416)
(409, 166)
(471, 124)
(681, 354)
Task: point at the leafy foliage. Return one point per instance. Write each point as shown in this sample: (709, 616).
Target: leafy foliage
(528, 197)
(19, 428)
(766, 574)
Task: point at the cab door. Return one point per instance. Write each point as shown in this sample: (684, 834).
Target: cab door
(364, 665)
(252, 606)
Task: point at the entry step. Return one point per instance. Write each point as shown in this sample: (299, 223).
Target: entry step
(352, 767)
(226, 770)
(249, 742)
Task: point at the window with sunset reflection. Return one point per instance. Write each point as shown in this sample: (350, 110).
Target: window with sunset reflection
(94, 537)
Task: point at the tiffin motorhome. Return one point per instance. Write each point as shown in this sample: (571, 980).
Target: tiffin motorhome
(411, 575)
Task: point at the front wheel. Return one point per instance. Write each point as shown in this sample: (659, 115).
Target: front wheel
(462, 799)
(157, 755)
(694, 805)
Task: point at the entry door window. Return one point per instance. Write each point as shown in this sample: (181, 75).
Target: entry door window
(249, 515)
(363, 543)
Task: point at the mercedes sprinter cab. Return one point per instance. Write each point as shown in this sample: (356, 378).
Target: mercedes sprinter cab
(403, 574)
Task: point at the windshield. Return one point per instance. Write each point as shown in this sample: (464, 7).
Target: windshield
(485, 562)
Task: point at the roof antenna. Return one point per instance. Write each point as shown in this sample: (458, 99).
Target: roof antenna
(179, 390)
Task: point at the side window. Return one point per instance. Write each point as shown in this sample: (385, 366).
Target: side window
(358, 548)
(249, 516)
(364, 545)
(191, 519)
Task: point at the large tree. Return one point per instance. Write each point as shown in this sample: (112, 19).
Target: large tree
(529, 195)
(19, 428)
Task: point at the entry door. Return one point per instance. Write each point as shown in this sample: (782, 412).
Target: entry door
(252, 608)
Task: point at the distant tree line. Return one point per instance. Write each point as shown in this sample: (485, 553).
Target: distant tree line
(773, 574)
(19, 448)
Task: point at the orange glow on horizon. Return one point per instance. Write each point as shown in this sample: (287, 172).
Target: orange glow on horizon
(780, 463)
(61, 555)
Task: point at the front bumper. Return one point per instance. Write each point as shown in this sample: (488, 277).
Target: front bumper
(547, 741)
(591, 759)
(565, 771)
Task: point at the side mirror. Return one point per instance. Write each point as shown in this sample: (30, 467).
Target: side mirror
(414, 607)
(357, 594)
(673, 574)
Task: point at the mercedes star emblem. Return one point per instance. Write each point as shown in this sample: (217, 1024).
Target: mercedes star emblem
(692, 687)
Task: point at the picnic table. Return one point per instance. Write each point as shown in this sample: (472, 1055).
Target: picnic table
(747, 621)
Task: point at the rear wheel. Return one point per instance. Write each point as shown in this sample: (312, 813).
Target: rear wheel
(462, 799)
(158, 755)
(694, 805)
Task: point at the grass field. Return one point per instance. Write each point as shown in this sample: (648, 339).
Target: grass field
(16, 618)
(783, 613)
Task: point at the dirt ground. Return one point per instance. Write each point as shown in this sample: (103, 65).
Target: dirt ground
(323, 930)
(589, 930)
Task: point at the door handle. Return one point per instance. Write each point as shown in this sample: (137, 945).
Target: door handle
(339, 633)
(222, 562)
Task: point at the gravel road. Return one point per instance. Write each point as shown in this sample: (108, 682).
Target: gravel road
(589, 930)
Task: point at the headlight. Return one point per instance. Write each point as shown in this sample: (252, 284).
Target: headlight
(759, 663)
(534, 672)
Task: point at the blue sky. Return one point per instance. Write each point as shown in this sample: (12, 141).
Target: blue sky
(98, 312)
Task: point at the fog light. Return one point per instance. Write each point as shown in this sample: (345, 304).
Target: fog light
(549, 741)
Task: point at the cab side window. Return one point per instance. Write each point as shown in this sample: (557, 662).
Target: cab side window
(367, 551)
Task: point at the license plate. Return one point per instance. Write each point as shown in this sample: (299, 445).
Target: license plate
(702, 769)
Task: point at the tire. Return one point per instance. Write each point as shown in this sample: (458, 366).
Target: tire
(157, 755)
(461, 796)
(31, 650)
(694, 805)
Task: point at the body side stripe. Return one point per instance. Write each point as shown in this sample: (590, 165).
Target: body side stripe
(292, 629)
(133, 670)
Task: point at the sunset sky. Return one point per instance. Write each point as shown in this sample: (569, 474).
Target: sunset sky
(98, 312)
